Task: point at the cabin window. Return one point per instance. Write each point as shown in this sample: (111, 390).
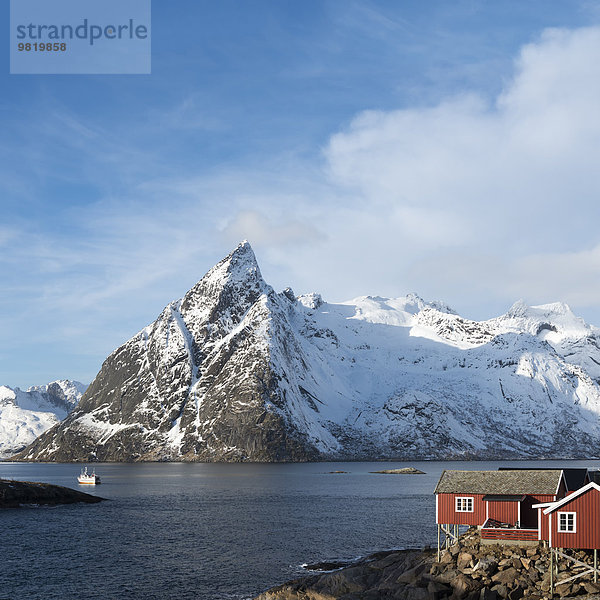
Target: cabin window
(464, 504)
(567, 522)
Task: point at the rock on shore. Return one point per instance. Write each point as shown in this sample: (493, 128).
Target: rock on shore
(17, 493)
(467, 571)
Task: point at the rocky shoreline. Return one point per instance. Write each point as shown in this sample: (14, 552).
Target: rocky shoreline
(20, 493)
(468, 570)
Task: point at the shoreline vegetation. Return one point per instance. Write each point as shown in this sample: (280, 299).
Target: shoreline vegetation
(469, 570)
(14, 494)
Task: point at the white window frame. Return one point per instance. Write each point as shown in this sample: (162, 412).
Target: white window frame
(464, 504)
(562, 526)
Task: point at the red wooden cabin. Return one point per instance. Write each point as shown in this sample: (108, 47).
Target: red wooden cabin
(574, 521)
(575, 478)
(501, 503)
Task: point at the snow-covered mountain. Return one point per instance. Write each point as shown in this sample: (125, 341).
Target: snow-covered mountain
(236, 371)
(26, 415)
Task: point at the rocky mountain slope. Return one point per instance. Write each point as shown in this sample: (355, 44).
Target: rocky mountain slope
(24, 415)
(235, 371)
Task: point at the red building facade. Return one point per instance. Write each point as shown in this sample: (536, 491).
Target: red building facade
(504, 504)
(574, 521)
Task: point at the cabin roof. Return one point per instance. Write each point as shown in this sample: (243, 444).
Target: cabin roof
(594, 475)
(504, 497)
(560, 503)
(514, 482)
(574, 478)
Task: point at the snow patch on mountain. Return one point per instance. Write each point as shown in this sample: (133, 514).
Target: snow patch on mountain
(576, 341)
(24, 415)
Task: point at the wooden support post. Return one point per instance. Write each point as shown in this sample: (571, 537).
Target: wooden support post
(582, 574)
(438, 540)
(551, 572)
(568, 559)
(447, 535)
(579, 563)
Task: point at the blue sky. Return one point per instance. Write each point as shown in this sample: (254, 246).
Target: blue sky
(385, 147)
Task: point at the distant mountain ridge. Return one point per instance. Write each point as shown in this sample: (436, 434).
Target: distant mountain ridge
(234, 371)
(24, 415)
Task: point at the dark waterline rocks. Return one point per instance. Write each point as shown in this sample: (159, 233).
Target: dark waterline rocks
(373, 577)
(327, 566)
(19, 493)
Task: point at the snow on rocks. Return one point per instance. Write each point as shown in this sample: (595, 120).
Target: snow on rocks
(235, 371)
(24, 415)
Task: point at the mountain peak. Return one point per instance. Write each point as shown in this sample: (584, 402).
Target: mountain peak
(235, 371)
(556, 318)
(24, 415)
(518, 309)
(555, 308)
(233, 284)
(243, 248)
(521, 309)
(239, 263)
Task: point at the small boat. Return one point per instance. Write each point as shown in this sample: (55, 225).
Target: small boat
(88, 478)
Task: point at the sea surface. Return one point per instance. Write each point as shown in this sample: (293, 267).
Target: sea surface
(211, 531)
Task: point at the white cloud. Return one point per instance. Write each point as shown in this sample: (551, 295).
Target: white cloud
(475, 201)
(264, 231)
(484, 284)
(534, 148)
(573, 277)
(517, 178)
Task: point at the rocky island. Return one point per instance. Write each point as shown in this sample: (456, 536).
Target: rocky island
(18, 493)
(468, 570)
(402, 471)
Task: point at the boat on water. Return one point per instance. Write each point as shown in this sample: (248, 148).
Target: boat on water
(88, 478)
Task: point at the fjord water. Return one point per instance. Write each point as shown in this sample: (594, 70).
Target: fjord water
(211, 531)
